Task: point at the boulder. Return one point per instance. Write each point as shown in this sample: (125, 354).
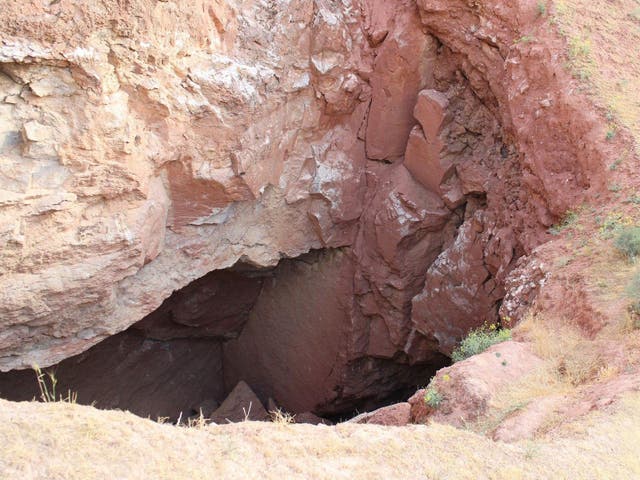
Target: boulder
(310, 418)
(467, 387)
(396, 415)
(240, 405)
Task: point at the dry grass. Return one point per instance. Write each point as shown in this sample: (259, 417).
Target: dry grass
(279, 416)
(66, 441)
(569, 362)
(586, 340)
(571, 359)
(603, 40)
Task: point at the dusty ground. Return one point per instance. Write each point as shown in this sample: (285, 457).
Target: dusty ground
(62, 441)
(603, 38)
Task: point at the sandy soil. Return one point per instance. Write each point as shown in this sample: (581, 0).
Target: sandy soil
(65, 441)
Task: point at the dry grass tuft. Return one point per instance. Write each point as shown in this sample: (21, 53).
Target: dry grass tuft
(281, 417)
(569, 355)
(47, 383)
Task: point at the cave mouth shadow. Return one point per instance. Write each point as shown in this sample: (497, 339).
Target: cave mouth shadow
(187, 356)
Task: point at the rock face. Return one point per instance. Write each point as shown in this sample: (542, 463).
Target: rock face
(144, 145)
(467, 387)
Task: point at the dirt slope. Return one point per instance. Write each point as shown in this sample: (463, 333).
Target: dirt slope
(62, 441)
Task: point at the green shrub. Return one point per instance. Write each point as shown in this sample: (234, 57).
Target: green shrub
(479, 340)
(613, 224)
(633, 292)
(569, 219)
(627, 242)
(433, 398)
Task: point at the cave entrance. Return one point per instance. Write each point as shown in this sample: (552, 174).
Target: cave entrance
(276, 338)
(167, 364)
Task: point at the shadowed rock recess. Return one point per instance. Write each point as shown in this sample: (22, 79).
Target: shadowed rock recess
(317, 198)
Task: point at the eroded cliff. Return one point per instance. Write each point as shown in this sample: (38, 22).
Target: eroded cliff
(417, 149)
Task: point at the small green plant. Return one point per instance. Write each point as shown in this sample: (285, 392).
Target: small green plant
(613, 223)
(433, 398)
(580, 59)
(564, 261)
(579, 47)
(542, 8)
(477, 341)
(614, 187)
(611, 134)
(526, 39)
(634, 312)
(531, 450)
(627, 242)
(569, 219)
(614, 166)
(633, 291)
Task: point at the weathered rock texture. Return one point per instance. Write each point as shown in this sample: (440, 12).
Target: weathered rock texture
(145, 144)
(467, 387)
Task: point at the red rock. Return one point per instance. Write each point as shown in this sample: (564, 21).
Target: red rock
(424, 156)
(423, 160)
(241, 404)
(130, 372)
(397, 415)
(420, 411)
(272, 406)
(474, 178)
(403, 66)
(284, 351)
(430, 111)
(458, 294)
(207, 408)
(310, 418)
(216, 305)
(467, 387)
(136, 180)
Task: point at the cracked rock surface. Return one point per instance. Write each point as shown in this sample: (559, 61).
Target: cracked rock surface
(146, 144)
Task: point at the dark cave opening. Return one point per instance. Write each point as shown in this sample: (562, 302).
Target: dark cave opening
(282, 331)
